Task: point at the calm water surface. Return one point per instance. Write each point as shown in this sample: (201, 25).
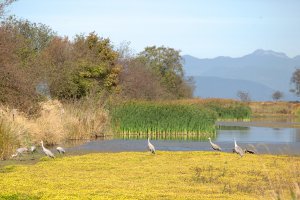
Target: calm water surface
(274, 140)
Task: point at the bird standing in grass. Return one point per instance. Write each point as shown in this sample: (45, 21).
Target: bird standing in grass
(47, 151)
(238, 149)
(215, 146)
(249, 151)
(151, 147)
(20, 152)
(60, 150)
(32, 150)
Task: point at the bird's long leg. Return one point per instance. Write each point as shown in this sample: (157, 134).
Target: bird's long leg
(32, 156)
(19, 156)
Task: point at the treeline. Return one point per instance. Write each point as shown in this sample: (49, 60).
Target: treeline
(36, 63)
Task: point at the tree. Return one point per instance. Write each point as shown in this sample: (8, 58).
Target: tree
(277, 95)
(17, 83)
(296, 82)
(75, 69)
(166, 63)
(138, 82)
(244, 96)
(3, 5)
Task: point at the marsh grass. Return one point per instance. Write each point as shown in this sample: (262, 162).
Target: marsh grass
(226, 109)
(8, 140)
(162, 117)
(56, 122)
(274, 109)
(166, 175)
(85, 119)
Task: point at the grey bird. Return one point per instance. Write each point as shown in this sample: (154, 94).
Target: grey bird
(151, 147)
(249, 151)
(60, 150)
(238, 149)
(47, 151)
(215, 146)
(33, 149)
(20, 152)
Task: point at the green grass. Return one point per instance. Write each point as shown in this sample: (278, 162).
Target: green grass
(160, 117)
(225, 108)
(166, 175)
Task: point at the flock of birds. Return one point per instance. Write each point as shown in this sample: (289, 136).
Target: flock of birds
(33, 149)
(237, 149)
(20, 151)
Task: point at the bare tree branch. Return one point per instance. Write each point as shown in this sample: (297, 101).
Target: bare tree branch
(3, 5)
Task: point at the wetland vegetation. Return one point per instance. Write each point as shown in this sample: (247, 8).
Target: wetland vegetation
(167, 175)
(55, 89)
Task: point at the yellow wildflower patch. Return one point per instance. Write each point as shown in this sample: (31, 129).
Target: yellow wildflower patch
(166, 175)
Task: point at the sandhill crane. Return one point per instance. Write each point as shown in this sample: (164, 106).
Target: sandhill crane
(47, 151)
(19, 152)
(32, 150)
(249, 151)
(151, 147)
(60, 150)
(22, 150)
(238, 149)
(215, 146)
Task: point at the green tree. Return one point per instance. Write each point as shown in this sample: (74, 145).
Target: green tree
(89, 64)
(166, 63)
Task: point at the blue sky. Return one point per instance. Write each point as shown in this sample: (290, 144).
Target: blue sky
(201, 28)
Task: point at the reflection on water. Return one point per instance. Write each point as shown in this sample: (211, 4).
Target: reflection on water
(227, 133)
(258, 134)
(275, 119)
(167, 136)
(238, 128)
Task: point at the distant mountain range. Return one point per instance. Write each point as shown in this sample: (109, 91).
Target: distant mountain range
(259, 73)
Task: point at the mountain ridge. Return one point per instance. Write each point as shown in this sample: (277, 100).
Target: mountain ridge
(266, 67)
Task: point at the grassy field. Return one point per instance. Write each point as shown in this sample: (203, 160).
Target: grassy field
(275, 108)
(166, 175)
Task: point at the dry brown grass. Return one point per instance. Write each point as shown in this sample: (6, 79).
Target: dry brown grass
(274, 108)
(56, 122)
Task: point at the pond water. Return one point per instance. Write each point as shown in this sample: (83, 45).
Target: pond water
(280, 136)
(278, 139)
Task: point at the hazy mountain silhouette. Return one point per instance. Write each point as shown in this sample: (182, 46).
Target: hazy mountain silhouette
(265, 70)
(208, 87)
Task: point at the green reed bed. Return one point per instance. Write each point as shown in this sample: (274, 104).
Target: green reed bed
(225, 108)
(231, 111)
(161, 117)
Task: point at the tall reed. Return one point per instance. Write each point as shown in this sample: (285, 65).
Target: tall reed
(225, 108)
(162, 117)
(8, 140)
